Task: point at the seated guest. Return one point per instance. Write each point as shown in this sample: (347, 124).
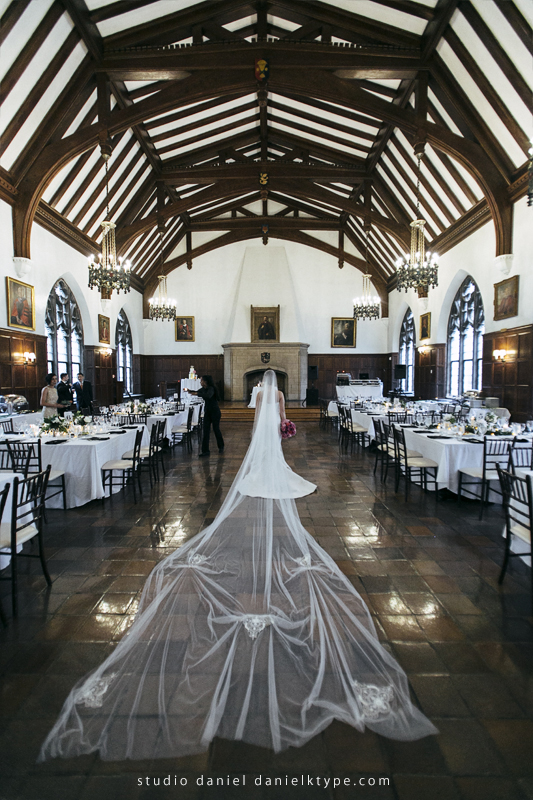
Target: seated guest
(84, 392)
(64, 394)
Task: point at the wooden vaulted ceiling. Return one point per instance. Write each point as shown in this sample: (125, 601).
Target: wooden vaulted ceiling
(353, 87)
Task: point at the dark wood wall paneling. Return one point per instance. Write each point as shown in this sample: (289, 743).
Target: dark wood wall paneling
(511, 380)
(15, 376)
(100, 370)
(430, 372)
(156, 369)
(378, 365)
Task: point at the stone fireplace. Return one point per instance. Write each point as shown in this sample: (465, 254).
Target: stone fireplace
(242, 363)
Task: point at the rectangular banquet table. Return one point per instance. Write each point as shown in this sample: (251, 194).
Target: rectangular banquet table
(81, 460)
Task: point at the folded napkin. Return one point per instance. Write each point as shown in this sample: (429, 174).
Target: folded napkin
(438, 436)
(169, 415)
(117, 432)
(57, 441)
(421, 430)
(472, 441)
(407, 426)
(130, 428)
(97, 438)
(13, 433)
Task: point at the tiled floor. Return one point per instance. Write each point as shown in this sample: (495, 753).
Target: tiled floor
(427, 570)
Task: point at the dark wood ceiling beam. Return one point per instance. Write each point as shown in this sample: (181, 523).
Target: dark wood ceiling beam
(487, 89)
(334, 126)
(30, 48)
(88, 31)
(136, 205)
(389, 201)
(442, 14)
(199, 108)
(407, 201)
(445, 189)
(117, 8)
(496, 50)
(179, 24)
(11, 16)
(201, 123)
(91, 175)
(201, 154)
(274, 223)
(298, 205)
(316, 149)
(232, 206)
(458, 178)
(517, 22)
(36, 92)
(372, 264)
(216, 32)
(320, 105)
(275, 169)
(307, 131)
(415, 9)
(308, 31)
(158, 64)
(113, 168)
(231, 126)
(456, 96)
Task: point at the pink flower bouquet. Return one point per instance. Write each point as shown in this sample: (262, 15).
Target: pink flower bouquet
(288, 429)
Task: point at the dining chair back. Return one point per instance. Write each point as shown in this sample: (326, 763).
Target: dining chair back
(520, 454)
(3, 499)
(6, 426)
(27, 518)
(495, 452)
(137, 419)
(412, 466)
(517, 492)
(21, 454)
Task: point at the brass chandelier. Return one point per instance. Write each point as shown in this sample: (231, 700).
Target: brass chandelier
(105, 271)
(419, 269)
(161, 306)
(366, 306)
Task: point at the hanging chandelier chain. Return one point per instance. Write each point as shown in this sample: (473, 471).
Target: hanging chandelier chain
(418, 187)
(107, 187)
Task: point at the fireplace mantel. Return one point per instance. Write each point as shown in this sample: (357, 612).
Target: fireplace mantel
(241, 358)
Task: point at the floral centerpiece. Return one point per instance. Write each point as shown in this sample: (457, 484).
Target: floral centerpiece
(54, 425)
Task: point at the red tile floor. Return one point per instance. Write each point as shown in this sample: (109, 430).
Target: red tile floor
(427, 570)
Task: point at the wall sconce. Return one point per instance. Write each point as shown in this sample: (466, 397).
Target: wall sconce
(29, 358)
(105, 351)
(499, 355)
(424, 348)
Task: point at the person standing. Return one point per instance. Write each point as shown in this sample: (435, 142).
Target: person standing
(84, 392)
(49, 401)
(64, 394)
(212, 415)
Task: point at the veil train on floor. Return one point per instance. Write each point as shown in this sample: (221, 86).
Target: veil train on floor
(249, 631)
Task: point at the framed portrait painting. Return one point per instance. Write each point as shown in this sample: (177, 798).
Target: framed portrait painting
(104, 329)
(184, 329)
(425, 326)
(20, 305)
(506, 298)
(343, 332)
(264, 325)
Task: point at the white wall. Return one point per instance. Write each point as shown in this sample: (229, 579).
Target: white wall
(307, 284)
(474, 256)
(53, 259)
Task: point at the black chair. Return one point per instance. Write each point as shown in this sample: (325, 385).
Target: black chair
(147, 455)
(127, 469)
(56, 481)
(161, 443)
(520, 455)
(27, 517)
(86, 412)
(7, 426)
(384, 448)
(96, 411)
(137, 419)
(183, 433)
(412, 466)
(3, 498)
(21, 454)
(495, 451)
(517, 492)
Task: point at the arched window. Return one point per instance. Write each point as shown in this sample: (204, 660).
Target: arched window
(124, 346)
(64, 331)
(406, 353)
(466, 326)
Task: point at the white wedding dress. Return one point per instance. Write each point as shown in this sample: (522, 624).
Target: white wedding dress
(249, 631)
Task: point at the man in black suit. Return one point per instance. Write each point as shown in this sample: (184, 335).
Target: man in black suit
(84, 392)
(64, 394)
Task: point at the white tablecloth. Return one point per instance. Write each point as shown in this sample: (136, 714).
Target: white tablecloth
(170, 421)
(33, 418)
(346, 393)
(190, 383)
(7, 477)
(82, 460)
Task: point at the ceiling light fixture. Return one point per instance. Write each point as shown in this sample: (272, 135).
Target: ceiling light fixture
(367, 306)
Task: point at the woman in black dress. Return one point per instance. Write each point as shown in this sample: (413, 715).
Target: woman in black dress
(209, 395)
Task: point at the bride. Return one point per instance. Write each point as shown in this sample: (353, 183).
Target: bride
(249, 631)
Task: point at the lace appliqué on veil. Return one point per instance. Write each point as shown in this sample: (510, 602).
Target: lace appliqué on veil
(376, 701)
(304, 561)
(92, 694)
(255, 623)
(193, 559)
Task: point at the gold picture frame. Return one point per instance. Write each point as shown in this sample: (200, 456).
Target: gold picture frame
(104, 329)
(343, 332)
(184, 328)
(264, 324)
(506, 298)
(20, 305)
(425, 326)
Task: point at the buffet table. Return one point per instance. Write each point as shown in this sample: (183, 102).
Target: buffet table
(366, 391)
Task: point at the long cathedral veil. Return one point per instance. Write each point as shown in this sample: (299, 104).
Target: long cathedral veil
(249, 631)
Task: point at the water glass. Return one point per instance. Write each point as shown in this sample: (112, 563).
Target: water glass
(529, 425)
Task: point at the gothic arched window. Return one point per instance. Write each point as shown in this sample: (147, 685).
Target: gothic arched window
(406, 354)
(64, 331)
(466, 326)
(124, 346)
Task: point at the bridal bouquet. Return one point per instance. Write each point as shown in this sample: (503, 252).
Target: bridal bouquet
(288, 429)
